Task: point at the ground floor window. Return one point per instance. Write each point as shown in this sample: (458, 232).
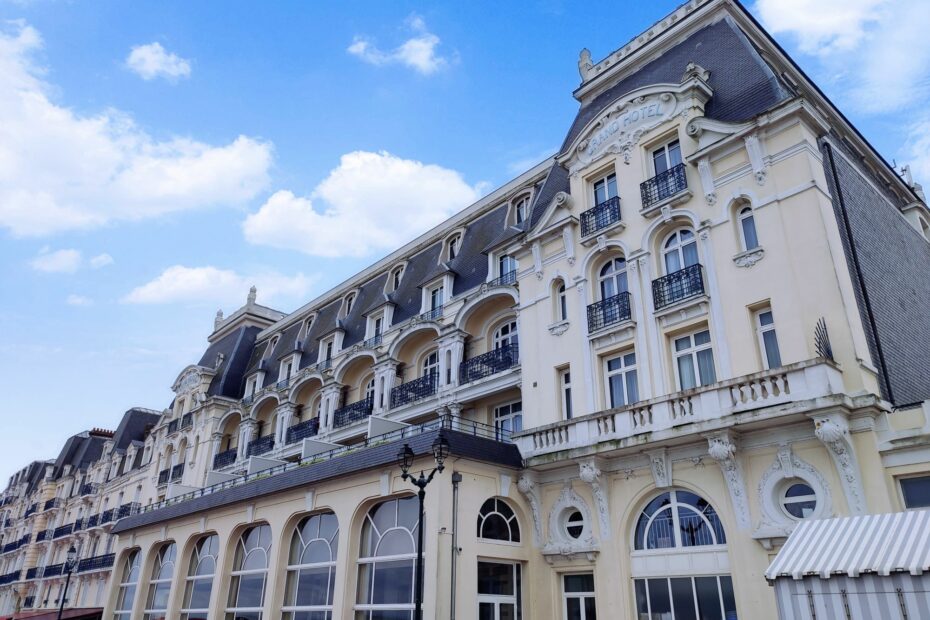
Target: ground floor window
(685, 598)
(499, 596)
(578, 597)
(916, 491)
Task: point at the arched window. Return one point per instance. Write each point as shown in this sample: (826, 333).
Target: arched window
(199, 581)
(612, 278)
(561, 301)
(250, 569)
(129, 580)
(370, 390)
(496, 521)
(386, 561)
(430, 364)
(506, 335)
(311, 569)
(747, 229)
(680, 251)
(156, 605)
(679, 536)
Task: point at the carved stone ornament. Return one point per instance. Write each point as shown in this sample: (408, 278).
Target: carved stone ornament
(590, 474)
(707, 181)
(560, 544)
(832, 430)
(527, 487)
(721, 447)
(557, 329)
(756, 157)
(187, 382)
(661, 468)
(749, 258)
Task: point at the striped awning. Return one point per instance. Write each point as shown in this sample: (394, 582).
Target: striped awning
(881, 544)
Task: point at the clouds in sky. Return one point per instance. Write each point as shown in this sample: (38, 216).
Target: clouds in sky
(370, 202)
(152, 61)
(79, 301)
(418, 52)
(200, 285)
(67, 261)
(65, 171)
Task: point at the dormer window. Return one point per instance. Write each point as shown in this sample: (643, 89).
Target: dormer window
(394, 279)
(307, 325)
(506, 264)
(272, 345)
(251, 386)
(521, 210)
(347, 304)
(454, 246)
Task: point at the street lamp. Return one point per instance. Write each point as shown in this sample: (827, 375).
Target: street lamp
(405, 458)
(70, 562)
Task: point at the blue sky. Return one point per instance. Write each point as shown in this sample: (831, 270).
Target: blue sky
(157, 158)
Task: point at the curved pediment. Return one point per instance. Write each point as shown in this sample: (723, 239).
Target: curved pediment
(192, 378)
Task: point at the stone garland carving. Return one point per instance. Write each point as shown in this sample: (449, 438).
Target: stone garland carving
(560, 544)
(590, 474)
(528, 489)
(661, 468)
(833, 431)
(722, 448)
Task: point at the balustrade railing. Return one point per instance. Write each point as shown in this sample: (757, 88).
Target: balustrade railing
(44, 535)
(106, 516)
(415, 390)
(600, 217)
(260, 445)
(609, 311)
(97, 562)
(88, 488)
(505, 279)
(34, 573)
(678, 286)
(29, 601)
(490, 363)
(352, 413)
(302, 430)
(663, 185)
(222, 459)
(31, 510)
(78, 525)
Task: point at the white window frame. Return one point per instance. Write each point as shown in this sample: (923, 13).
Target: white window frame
(251, 385)
(664, 148)
(623, 371)
(453, 246)
(506, 259)
(693, 351)
(605, 179)
(615, 276)
(784, 500)
(289, 364)
(746, 213)
(561, 302)
(190, 580)
(347, 303)
(331, 565)
(565, 391)
(272, 345)
(521, 209)
(155, 582)
(498, 340)
(443, 284)
(265, 572)
(511, 415)
(515, 599)
(761, 330)
(678, 249)
(430, 367)
(134, 557)
(324, 345)
(579, 595)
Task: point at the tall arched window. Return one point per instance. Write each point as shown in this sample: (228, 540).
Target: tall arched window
(506, 335)
(496, 521)
(199, 581)
(612, 278)
(430, 364)
(747, 229)
(560, 301)
(311, 569)
(680, 251)
(672, 527)
(386, 561)
(156, 604)
(129, 580)
(250, 570)
(370, 390)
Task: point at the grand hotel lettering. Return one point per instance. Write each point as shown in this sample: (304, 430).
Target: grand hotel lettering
(636, 116)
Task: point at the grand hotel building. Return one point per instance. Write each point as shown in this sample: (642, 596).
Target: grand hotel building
(652, 355)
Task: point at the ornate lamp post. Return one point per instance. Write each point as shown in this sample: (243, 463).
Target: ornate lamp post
(70, 563)
(405, 460)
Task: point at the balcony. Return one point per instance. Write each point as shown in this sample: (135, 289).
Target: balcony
(63, 530)
(350, 414)
(260, 446)
(431, 315)
(663, 186)
(106, 516)
(127, 509)
(489, 363)
(44, 535)
(372, 342)
(163, 476)
(173, 426)
(53, 570)
(78, 525)
(98, 562)
(177, 471)
(31, 510)
(55, 502)
(415, 390)
(302, 430)
(772, 394)
(604, 215)
(88, 488)
(506, 279)
(91, 521)
(222, 459)
(609, 311)
(34, 573)
(187, 421)
(678, 286)
(9, 577)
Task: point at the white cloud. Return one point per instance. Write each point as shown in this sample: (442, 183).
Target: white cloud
(370, 202)
(875, 52)
(79, 300)
(198, 285)
(152, 60)
(101, 260)
(59, 261)
(62, 171)
(417, 52)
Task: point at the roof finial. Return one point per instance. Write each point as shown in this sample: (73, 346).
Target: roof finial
(252, 294)
(584, 63)
(218, 320)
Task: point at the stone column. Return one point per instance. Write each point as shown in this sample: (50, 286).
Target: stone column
(721, 343)
(216, 442)
(385, 372)
(330, 395)
(285, 419)
(451, 354)
(247, 430)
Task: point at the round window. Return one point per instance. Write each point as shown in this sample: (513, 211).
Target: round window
(799, 500)
(574, 524)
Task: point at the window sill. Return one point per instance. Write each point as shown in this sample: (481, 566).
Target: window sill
(559, 328)
(749, 257)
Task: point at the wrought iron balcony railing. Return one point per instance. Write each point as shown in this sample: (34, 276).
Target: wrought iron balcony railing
(106, 516)
(98, 562)
(249, 398)
(352, 413)
(55, 502)
(431, 314)
(91, 521)
(187, 421)
(260, 445)
(31, 510)
(164, 475)
(609, 311)
(372, 342)
(222, 459)
(678, 286)
(53, 570)
(88, 488)
(302, 430)
(63, 530)
(663, 185)
(600, 217)
(34, 573)
(127, 509)
(78, 525)
(173, 426)
(44, 535)
(177, 471)
(505, 279)
(415, 390)
(9, 577)
(489, 363)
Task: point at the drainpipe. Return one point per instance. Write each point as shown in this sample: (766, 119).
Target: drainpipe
(456, 479)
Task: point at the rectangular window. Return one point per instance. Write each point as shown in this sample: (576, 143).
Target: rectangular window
(499, 591)
(509, 418)
(686, 598)
(379, 322)
(436, 298)
(622, 387)
(768, 341)
(916, 491)
(329, 350)
(506, 264)
(250, 390)
(694, 360)
(605, 189)
(565, 381)
(666, 157)
(578, 597)
(563, 303)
